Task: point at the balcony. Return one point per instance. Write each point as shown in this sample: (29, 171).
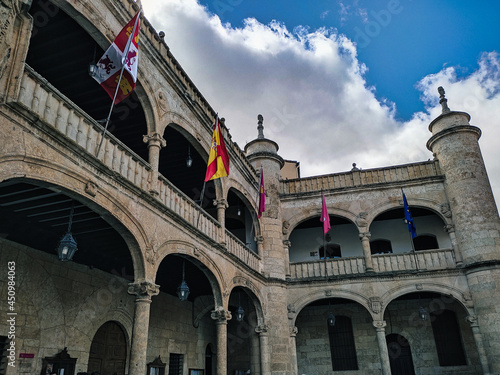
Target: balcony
(58, 116)
(428, 260)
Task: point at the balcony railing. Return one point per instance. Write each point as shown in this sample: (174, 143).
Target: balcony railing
(427, 260)
(50, 106)
(366, 177)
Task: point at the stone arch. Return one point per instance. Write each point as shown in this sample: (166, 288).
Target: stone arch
(255, 295)
(462, 298)
(296, 306)
(427, 204)
(52, 174)
(304, 215)
(199, 257)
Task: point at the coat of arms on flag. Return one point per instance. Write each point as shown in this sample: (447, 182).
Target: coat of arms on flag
(123, 54)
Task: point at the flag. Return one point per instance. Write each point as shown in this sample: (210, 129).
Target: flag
(409, 218)
(262, 194)
(122, 54)
(218, 159)
(325, 219)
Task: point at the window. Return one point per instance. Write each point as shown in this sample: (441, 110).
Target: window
(425, 242)
(342, 346)
(332, 251)
(380, 247)
(175, 364)
(448, 339)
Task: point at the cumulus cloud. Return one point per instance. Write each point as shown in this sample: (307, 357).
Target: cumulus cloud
(310, 88)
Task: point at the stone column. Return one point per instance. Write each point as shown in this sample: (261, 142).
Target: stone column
(143, 291)
(365, 242)
(478, 339)
(293, 350)
(265, 358)
(382, 346)
(450, 229)
(221, 205)
(255, 355)
(286, 247)
(155, 142)
(221, 317)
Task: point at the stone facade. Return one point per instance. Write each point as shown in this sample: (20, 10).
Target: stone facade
(273, 267)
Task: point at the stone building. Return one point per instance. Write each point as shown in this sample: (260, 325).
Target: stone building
(143, 224)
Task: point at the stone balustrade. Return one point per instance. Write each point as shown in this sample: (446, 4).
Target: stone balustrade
(352, 179)
(48, 105)
(427, 260)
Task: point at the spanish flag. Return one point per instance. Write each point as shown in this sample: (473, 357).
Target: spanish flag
(218, 159)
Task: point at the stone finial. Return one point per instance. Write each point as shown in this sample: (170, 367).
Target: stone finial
(443, 101)
(354, 168)
(260, 127)
(161, 34)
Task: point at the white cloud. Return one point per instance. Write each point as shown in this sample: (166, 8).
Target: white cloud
(311, 90)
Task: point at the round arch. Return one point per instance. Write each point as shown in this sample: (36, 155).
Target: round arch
(310, 213)
(253, 294)
(105, 204)
(301, 302)
(462, 298)
(427, 204)
(202, 260)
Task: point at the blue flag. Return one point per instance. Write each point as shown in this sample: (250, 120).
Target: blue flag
(409, 218)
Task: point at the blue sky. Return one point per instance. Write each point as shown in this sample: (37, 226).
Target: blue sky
(341, 81)
(400, 41)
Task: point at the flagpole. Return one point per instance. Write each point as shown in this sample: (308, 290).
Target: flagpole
(201, 202)
(324, 253)
(414, 252)
(125, 53)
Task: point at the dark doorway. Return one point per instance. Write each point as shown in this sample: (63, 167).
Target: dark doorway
(208, 360)
(399, 355)
(108, 352)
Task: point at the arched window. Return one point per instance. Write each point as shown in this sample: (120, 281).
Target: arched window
(447, 338)
(342, 346)
(380, 247)
(425, 242)
(332, 251)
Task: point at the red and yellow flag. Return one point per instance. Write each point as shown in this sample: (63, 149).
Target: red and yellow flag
(218, 159)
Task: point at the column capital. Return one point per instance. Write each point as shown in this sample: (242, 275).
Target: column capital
(449, 228)
(287, 243)
(154, 139)
(364, 235)
(379, 325)
(221, 203)
(472, 319)
(261, 329)
(259, 239)
(220, 315)
(293, 331)
(143, 289)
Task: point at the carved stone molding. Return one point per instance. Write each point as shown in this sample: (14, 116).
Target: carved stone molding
(375, 304)
(143, 289)
(220, 203)
(379, 324)
(91, 188)
(361, 219)
(220, 315)
(445, 210)
(154, 139)
(449, 228)
(293, 331)
(291, 311)
(261, 329)
(364, 235)
(472, 319)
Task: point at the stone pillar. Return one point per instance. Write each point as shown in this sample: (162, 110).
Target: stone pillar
(293, 350)
(143, 291)
(221, 317)
(478, 339)
(450, 229)
(260, 244)
(255, 355)
(155, 142)
(265, 358)
(221, 205)
(365, 242)
(382, 346)
(286, 247)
